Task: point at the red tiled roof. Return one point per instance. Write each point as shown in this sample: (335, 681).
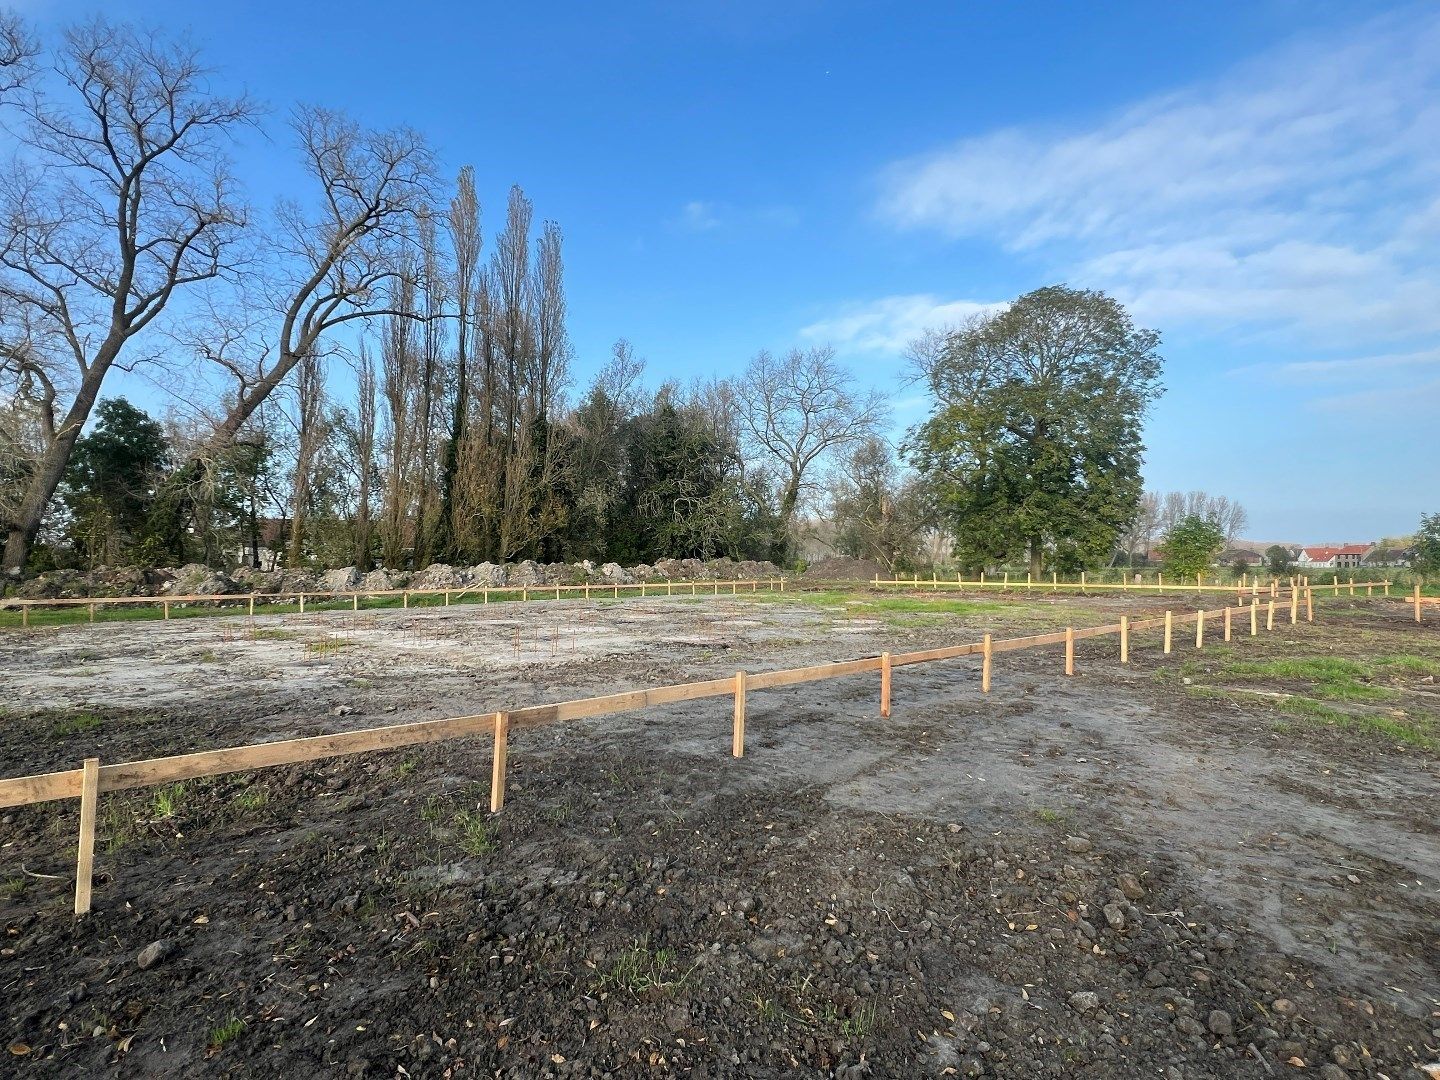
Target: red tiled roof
(1322, 554)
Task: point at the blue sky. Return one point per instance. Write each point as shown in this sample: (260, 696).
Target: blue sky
(1259, 181)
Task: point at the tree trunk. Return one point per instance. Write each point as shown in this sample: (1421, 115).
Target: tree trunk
(1037, 558)
(24, 526)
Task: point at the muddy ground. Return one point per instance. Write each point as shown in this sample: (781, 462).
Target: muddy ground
(1187, 867)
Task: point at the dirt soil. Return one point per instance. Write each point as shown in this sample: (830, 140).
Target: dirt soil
(1132, 872)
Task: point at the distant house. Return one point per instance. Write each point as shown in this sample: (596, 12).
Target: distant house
(1341, 557)
(1384, 556)
(1235, 556)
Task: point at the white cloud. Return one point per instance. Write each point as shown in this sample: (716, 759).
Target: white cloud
(699, 215)
(888, 324)
(1297, 195)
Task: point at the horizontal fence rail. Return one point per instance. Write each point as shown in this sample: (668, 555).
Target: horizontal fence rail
(93, 779)
(485, 592)
(1242, 588)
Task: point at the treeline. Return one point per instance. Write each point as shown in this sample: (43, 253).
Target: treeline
(377, 381)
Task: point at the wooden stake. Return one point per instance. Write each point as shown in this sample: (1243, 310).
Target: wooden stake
(355, 602)
(406, 602)
(1270, 616)
(447, 597)
(1254, 616)
(167, 609)
(1294, 605)
(1169, 627)
(1124, 639)
(252, 605)
(92, 613)
(1227, 622)
(986, 655)
(25, 613)
(497, 763)
(1417, 603)
(1200, 629)
(85, 855)
(1069, 650)
(737, 740)
(885, 684)
(302, 603)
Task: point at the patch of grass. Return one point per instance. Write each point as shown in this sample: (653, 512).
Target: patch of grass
(13, 888)
(254, 797)
(117, 825)
(433, 811)
(326, 646)
(1050, 816)
(475, 833)
(226, 1032)
(270, 633)
(407, 766)
(168, 800)
(76, 724)
(1408, 731)
(641, 969)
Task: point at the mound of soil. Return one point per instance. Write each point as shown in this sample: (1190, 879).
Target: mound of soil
(844, 568)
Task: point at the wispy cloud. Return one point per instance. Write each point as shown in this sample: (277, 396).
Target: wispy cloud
(888, 324)
(705, 215)
(1297, 195)
(698, 215)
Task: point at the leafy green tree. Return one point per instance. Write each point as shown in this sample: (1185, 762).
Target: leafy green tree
(1034, 442)
(1427, 545)
(1191, 545)
(1278, 561)
(111, 482)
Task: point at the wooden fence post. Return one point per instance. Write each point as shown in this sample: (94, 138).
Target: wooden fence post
(1309, 604)
(166, 605)
(447, 597)
(85, 855)
(1417, 603)
(1227, 622)
(92, 613)
(1069, 650)
(1169, 627)
(737, 740)
(406, 601)
(885, 684)
(1352, 586)
(1124, 639)
(1294, 605)
(302, 603)
(252, 605)
(1200, 629)
(25, 614)
(1270, 616)
(355, 601)
(1254, 616)
(985, 666)
(497, 762)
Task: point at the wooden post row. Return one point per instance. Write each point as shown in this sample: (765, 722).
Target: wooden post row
(737, 741)
(885, 684)
(497, 765)
(85, 853)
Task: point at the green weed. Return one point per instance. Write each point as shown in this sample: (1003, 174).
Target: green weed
(77, 724)
(226, 1032)
(168, 800)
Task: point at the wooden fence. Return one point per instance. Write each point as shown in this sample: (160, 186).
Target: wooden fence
(92, 779)
(485, 592)
(1416, 599)
(1253, 588)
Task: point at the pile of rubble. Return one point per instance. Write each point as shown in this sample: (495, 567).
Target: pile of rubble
(196, 579)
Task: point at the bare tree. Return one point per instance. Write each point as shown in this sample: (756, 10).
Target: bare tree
(120, 198)
(338, 263)
(310, 434)
(18, 50)
(798, 408)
